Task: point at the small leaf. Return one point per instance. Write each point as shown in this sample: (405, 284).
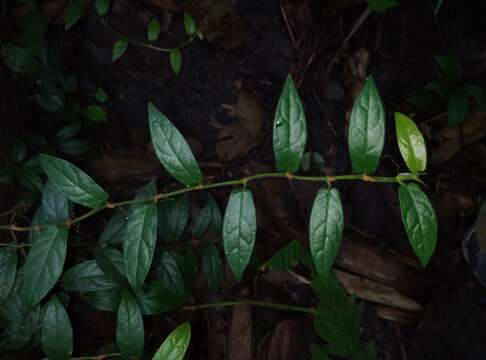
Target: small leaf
(420, 221)
(95, 113)
(74, 10)
(18, 151)
(114, 231)
(289, 129)
(55, 205)
(74, 147)
(112, 263)
(176, 61)
(101, 96)
(239, 230)
(68, 131)
(129, 327)
(175, 345)
(87, 276)
(44, 264)
(141, 235)
(119, 48)
(8, 271)
(326, 230)
(212, 267)
(102, 7)
(411, 143)
(288, 257)
(366, 129)
(73, 183)
(457, 107)
(57, 333)
(189, 24)
(153, 30)
(381, 5)
(172, 150)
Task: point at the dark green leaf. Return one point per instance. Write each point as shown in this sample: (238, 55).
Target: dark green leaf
(176, 61)
(101, 96)
(105, 300)
(129, 327)
(95, 113)
(51, 98)
(175, 345)
(209, 217)
(450, 66)
(141, 235)
(172, 150)
(68, 131)
(187, 263)
(318, 353)
(326, 230)
(87, 276)
(74, 10)
(189, 24)
(119, 48)
(288, 257)
(381, 5)
(18, 59)
(74, 147)
(114, 231)
(102, 7)
(289, 129)
(18, 151)
(411, 143)
(156, 298)
(73, 183)
(112, 263)
(18, 334)
(55, 206)
(239, 230)
(173, 218)
(170, 275)
(8, 271)
(420, 221)
(57, 333)
(44, 264)
(153, 30)
(366, 129)
(30, 179)
(457, 107)
(212, 267)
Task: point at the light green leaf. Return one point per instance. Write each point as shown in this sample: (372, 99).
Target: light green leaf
(119, 48)
(176, 61)
(8, 271)
(289, 129)
(288, 257)
(87, 276)
(55, 205)
(172, 150)
(239, 230)
(112, 263)
(326, 230)
(411, 143)
(73, 183)
(115, 229)
(153, 30)
(212, 267)
(95, 113)
(129, 327)
(102, 7)
(175, 345)
(57, 333)
(366, 129)
(44, 264)
(189, 24)
(141, 235)
(381, 5)
(74, 10)
(420, 221)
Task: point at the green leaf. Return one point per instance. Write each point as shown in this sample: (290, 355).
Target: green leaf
(381, 5)
(318, 353)
(18, 151)
(153, 30)
(87, 276)
(420, 221)
(212, 267)
(44, 263)
(141, 235)
(57, 333)
(119, 48)
(175, 345)
(173, 218)
(189, 24)
(8, 271)
(74, 147)
(68, 131)
(114, 231)
(411, 143)
(18, 59)
(102, 7)
(326, 230)
(74, 10)
(239, 230)
(288, 257)
(457, 107)
(156, 298)
(366, 129)
(450, 66)
(176, 61)
(172, 150)
(95, 113)
(209, 217)
(170, 275)
(101, 96)
(105, 300)
(73, 183)
(129, 327)
(289, 129)
(479, 95)
(55, 205)
(112, 263)
(19, 334)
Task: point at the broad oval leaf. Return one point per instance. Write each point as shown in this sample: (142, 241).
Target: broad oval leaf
(119, 48)
(141, 235)
(102, 7)
(55, 205)
(44, 264)
(366, 134)
(175, 345)
(129, 327)
(170, 274)
(57, 333)
(112, 263)
(411, 143)
(212, 267)
(420, 221)
(153, 30)
(172, 150)
(74, 10)
(289, 129)
(72, 182)
(239, 230)
(105, 300)
(155, 298)
(208, 218)
(173, 216)
(115, 230)
(8, 271)
(87, 276)
(326, 230)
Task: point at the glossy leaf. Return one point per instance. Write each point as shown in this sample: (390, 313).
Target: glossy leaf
(170, 275)
(172, 150)
(176, 61)
(189, 24)
(420, 221)
(74, 10)
(326, 229)
(175, 345)
(288, 257)
(119, 48)
(8, 271)
(129, 327)
(55, 205)
(44, 263)
(239, 230)
(156, 298)
(212, 267)
(57, 333)
(73, 183)
(153, 30)
(87, 276)
(115, 229)
(289, 129)
(411, 143)
(112, 263)
(105, 300)
(366, 129)
(102, 7)
(208, 218)
(141, 235)
(173, 218)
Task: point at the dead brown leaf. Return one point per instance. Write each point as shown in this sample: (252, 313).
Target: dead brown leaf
(241, 334)
(248, 111)
(234, 142)
(286, 342)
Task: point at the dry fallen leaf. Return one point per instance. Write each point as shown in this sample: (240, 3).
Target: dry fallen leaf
(234, 142)
(248, 111)
(287, 341)
(241, 334)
